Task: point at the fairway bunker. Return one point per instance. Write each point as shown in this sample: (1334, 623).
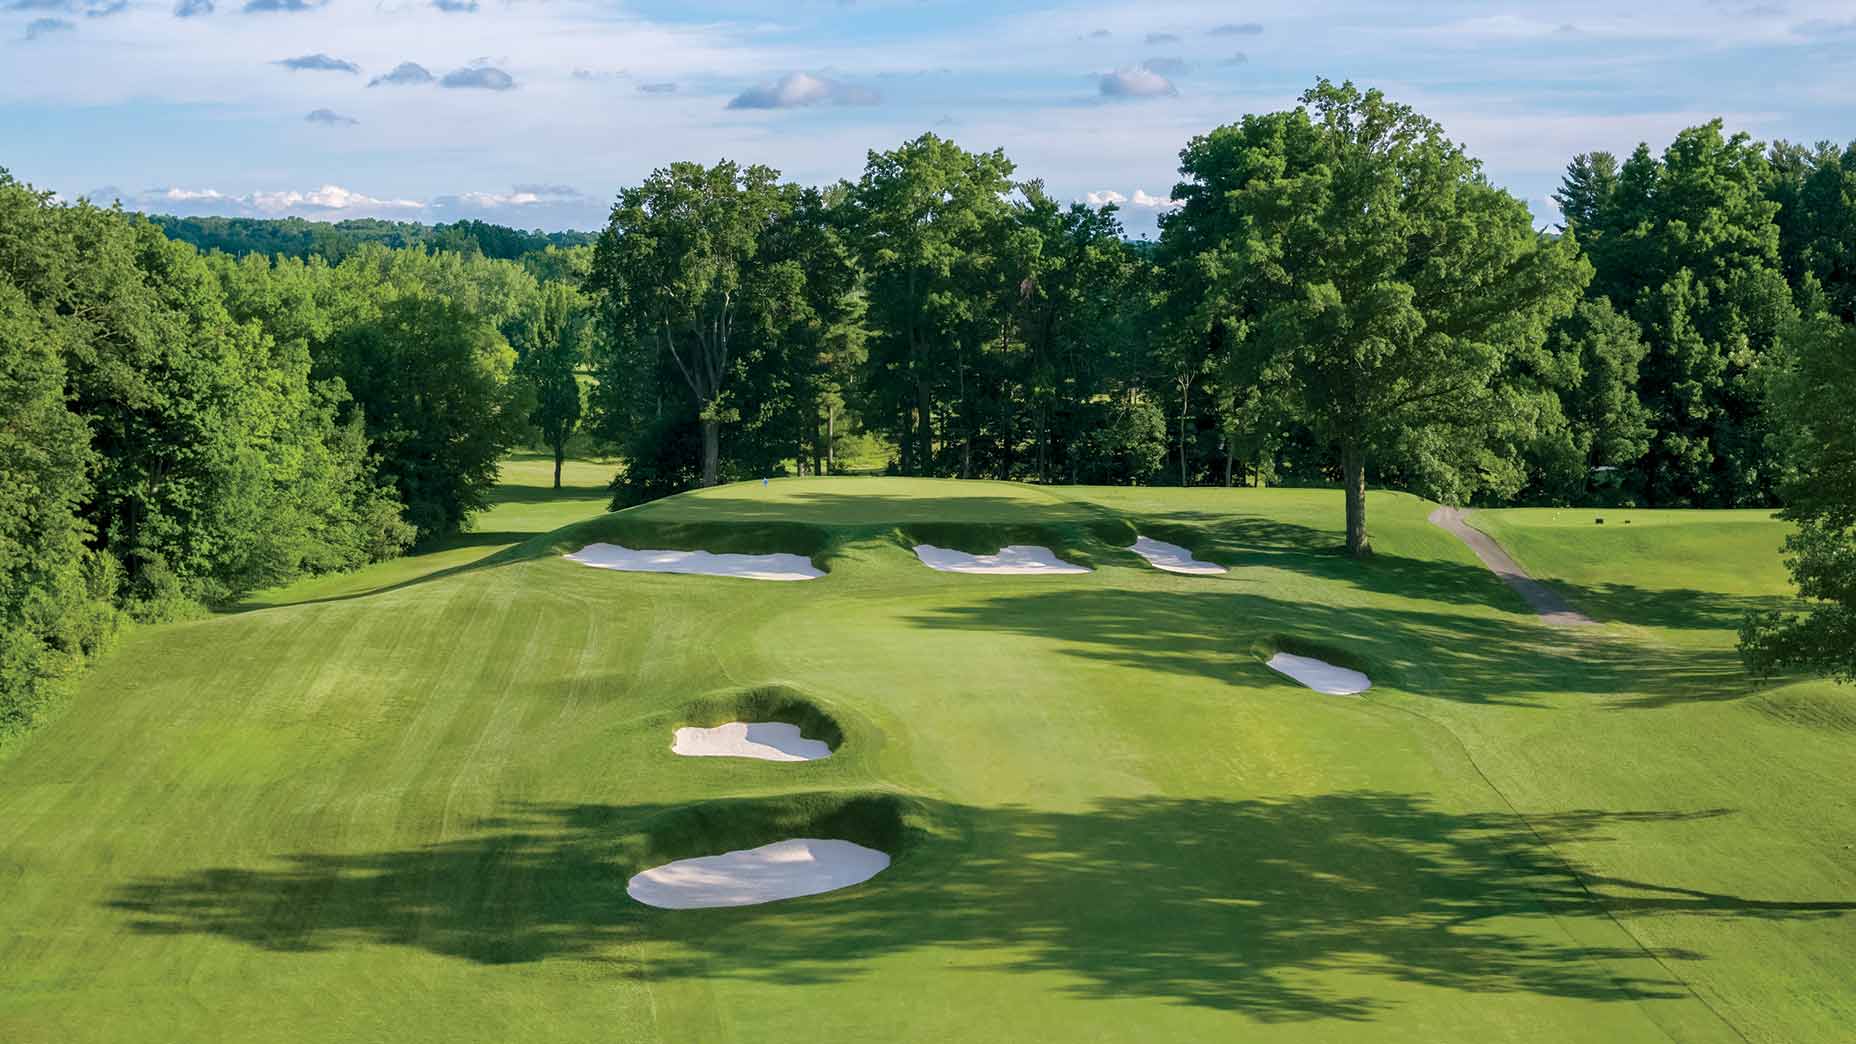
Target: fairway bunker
(749, 877)
(760, 740)
(1173, 558)
(700, 563)
(1320, 675)
(1017, 559)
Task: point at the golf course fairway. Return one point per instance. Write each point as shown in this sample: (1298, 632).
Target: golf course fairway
(403, 805)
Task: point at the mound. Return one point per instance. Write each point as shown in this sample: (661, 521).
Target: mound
(782, 870)
(701, 563)
(1173, 558)
(763, 740)
(1020, 559)
(1320, 675)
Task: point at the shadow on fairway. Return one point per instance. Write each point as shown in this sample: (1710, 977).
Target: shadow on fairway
(1232, 905)
(1436, 653)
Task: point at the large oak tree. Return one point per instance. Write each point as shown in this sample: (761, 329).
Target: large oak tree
(680, 264)
(1359, 261)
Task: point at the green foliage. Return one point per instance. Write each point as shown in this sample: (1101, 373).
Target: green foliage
(682, 270)
(550, 346)
(930, 225)
(1687, 245)
(50, 620)
(1813, 387)
(1359, 261)
(1815, 190)
(1123, 443)
(663, 456)
(431, 378)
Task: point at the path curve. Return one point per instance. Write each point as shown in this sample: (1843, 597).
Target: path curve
(1552, 608)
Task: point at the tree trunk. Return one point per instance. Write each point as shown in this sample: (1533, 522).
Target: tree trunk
(831, 438)
(966, 422)
(924, 417)
(1185, 393)
(711, 450)
(1353, 473)
(560, 454)
(1230, 450)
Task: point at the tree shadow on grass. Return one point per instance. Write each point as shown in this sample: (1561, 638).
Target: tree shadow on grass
(1231, 905)
(1212, 633)
(1677, 609)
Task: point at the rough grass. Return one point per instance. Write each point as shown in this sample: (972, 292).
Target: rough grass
(403, 805)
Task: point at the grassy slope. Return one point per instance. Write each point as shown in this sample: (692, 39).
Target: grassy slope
(402, 806)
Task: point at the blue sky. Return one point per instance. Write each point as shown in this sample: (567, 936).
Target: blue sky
(534, 112)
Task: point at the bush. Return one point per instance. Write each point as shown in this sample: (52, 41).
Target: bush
(1123, 442)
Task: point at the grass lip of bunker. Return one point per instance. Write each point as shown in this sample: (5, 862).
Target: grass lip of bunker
(1173, 558)
(749, 877)
(775, 566)
(747, 851)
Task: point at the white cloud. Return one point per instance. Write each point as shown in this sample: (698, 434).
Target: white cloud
(326, 198)
(330, 202)
(798, 90)
(1142, 199)
(1136, 82)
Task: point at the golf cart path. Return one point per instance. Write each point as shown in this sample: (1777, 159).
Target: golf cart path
(1552, 608)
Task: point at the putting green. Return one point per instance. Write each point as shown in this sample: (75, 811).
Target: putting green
(404, 805)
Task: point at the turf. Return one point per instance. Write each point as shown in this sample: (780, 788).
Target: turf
(402, 806)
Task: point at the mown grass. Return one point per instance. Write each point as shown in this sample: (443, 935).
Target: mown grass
(404, 806)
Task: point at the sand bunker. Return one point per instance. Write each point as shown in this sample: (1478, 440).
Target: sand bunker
(782, 870)
(748, 567)
(1026, 559)
(1320, 675)
(765, 740)
(1173, 558)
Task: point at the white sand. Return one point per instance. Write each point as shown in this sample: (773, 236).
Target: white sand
(1173, 558)
(782, 870)
(1025, 559)
(748, 567)
(765, 740)
(1320, 675)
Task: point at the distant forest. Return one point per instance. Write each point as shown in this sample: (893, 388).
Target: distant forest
(194, 408)
(302, 239)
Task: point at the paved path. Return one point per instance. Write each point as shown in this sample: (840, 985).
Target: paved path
(1544, 600)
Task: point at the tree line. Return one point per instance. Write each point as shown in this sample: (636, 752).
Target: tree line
(334, 240)
(178, 429)
(1341, 297)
